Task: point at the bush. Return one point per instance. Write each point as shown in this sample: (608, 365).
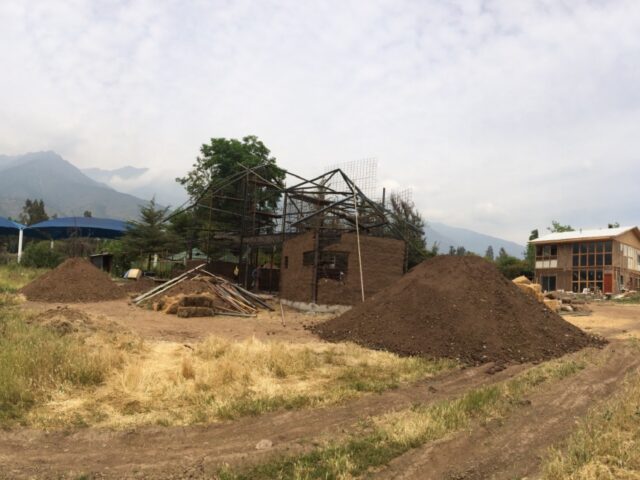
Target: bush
(40, 255)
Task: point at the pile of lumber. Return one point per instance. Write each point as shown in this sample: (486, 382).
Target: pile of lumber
(212, 295)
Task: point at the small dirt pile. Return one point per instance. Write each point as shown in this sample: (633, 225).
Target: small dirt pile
(65, 320)
(458, 307)
(75, 280)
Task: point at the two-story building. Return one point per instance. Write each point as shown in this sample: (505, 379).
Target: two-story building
(607, 260)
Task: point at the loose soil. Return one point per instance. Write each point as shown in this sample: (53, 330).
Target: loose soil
(462, 308)
(75, 280)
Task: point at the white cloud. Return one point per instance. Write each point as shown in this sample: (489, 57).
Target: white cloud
(528, 106)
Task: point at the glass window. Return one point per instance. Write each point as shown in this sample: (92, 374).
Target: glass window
(592, 259)
(576, 248)
(554, 250)
(576, 260)
(607, 259)
(583, 274)
(539, 250)
(599, 275)
(599, 247)
(591, 275)
(591, 247)
(608, 246)
(583, 248)
(599, 259)
(575, 276)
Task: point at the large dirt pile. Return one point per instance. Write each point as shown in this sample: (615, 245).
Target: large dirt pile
(75, 280)
(458, 307)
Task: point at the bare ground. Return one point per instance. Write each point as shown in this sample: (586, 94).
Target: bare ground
(159, 326)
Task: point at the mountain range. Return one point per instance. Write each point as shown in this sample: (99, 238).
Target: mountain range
(69, 191)
(66, 191)
(445, 236)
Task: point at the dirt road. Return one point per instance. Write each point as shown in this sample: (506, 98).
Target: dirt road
(512, 448)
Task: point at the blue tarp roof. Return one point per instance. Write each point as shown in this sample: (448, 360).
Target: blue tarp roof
(60, 228)
(8, 227)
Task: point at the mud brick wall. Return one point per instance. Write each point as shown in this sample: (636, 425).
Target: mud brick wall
(382, 264)
(296, 279)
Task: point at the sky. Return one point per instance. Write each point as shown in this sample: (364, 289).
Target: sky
(500, 116)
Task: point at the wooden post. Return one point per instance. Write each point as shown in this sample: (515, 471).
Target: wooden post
(20, 240)
(316, 255)
(355, 204)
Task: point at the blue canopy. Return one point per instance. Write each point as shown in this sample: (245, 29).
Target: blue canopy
(60, 228)
(8, 227)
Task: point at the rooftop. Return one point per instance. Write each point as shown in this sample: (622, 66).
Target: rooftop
(592, 234)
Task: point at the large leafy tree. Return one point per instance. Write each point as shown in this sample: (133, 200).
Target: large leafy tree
(150, 234)
(226, 203)
(409, 225)
(33, 212)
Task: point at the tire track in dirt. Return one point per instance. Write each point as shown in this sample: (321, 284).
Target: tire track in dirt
(179, 452)
(513, 447)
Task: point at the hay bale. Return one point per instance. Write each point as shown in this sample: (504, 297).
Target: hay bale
(553, 305)
(521, 280)
(187, 312)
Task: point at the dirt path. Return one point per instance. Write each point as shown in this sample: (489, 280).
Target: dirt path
(159, 326)
(195, 452)
(513, 447)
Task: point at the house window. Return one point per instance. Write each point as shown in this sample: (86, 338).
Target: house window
(548, 282)
(547, 252)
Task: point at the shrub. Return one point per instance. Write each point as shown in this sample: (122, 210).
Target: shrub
(40, 255)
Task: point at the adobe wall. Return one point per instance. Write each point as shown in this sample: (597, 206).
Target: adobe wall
(382, 264)
(296, 279)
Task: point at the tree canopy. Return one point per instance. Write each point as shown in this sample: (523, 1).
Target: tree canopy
(557, 227)
(408, 220)
(223, 208)
(33, 212)
(149, 235)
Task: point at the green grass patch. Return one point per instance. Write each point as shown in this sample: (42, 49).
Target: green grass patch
(14, 276)
(388, 436)
(35, 361)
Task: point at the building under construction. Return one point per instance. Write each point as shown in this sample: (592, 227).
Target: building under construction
(321, 240)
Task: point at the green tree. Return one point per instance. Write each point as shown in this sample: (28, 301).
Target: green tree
(530, 254)
(33, 212)
(452, 250)
(461, 251)
(512, 267)
(409, 225)
(226, 212)
(186, 227)
(489, 253)
(557, 227)
(614, 225)
(87, 214)
(149, 235)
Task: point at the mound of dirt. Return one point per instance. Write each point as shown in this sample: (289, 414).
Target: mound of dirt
(139, 286)
(75, 280)
(462, 308)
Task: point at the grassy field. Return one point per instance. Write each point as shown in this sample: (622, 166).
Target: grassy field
(35, 362)
(167, 383)
(13, 277)
(115, 379)
(389, 436)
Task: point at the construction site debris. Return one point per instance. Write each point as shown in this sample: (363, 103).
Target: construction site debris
(75, 280)
(462, 308)
(201, 293)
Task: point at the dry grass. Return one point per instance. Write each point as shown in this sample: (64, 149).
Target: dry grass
(13, 277)
(389, 436)
(36, 362)
(606, 444)
(168, 383)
